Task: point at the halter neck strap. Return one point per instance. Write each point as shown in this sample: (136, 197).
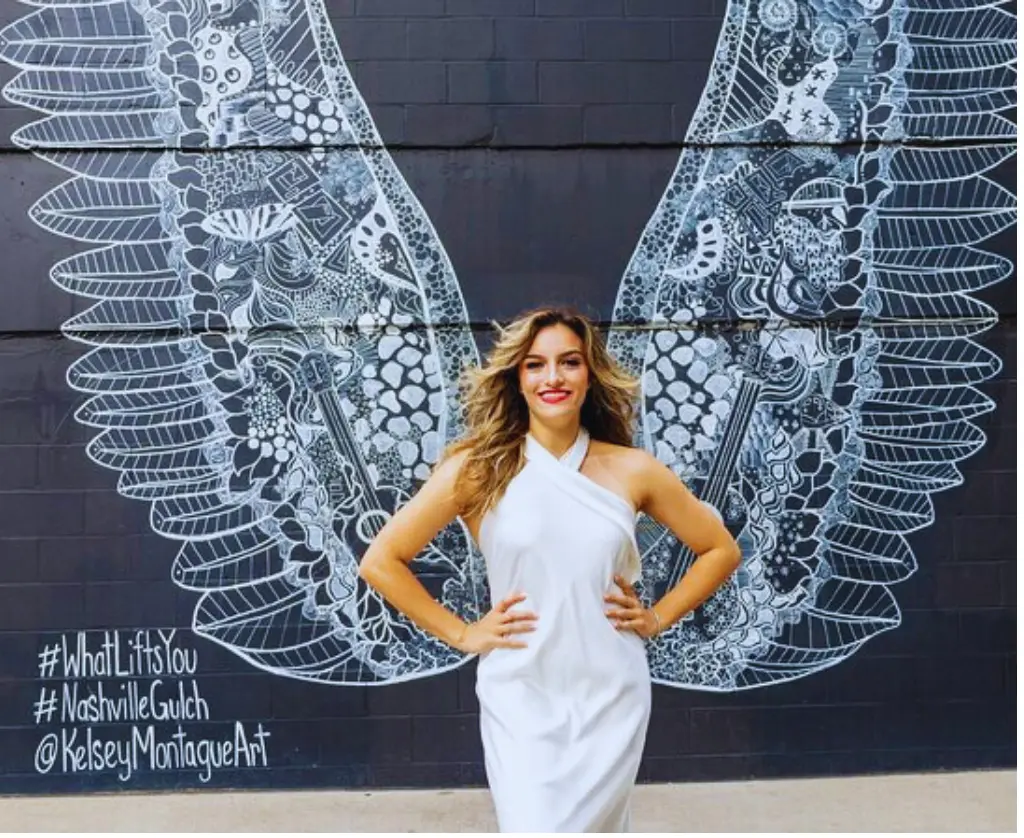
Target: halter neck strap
(571, 459)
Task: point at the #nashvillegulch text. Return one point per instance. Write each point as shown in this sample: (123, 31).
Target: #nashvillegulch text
(135, 703)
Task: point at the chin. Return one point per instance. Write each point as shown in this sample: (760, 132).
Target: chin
(554, 411)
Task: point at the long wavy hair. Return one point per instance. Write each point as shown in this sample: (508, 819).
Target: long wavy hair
(498, 419)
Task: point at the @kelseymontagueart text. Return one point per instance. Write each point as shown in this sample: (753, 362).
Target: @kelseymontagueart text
(128, 702)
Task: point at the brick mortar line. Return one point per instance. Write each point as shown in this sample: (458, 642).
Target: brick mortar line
(907, 142)
(84, 335)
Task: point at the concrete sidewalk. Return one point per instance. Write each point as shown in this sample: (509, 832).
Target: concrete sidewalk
(983, 801)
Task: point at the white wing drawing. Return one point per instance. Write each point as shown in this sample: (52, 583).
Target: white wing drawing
(277, 332)
(808, 357)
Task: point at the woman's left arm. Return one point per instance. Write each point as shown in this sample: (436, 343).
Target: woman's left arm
(665, 498)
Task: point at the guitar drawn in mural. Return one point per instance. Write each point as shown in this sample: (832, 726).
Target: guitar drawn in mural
(278, 333)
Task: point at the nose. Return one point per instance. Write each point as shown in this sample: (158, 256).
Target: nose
(553, 375)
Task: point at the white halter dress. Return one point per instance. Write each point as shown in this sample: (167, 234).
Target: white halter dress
(564, 720)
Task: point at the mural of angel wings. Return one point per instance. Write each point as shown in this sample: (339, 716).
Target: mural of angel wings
(277, 332)
(814, 217)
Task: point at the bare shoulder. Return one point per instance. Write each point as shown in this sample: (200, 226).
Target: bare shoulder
(632, 468)
(453, 463)
(625, 459)
(447, 473)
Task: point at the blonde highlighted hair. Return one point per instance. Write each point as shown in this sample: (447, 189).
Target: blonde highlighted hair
(497, 417)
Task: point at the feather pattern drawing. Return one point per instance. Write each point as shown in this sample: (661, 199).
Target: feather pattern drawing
(275, 332)
(809, 363)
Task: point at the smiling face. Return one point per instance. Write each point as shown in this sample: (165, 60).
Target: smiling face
(553, 377)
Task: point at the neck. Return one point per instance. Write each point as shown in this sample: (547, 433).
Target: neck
(556, 440)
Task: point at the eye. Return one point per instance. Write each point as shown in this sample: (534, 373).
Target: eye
(573, 362)
(533, 365)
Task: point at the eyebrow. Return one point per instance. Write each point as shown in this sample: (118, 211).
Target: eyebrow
(560, 354)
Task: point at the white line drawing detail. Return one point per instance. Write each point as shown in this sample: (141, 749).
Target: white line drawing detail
(278, 331)
(815, 207)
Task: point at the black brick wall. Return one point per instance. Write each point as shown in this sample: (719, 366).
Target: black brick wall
(539, 135)
(520, 73)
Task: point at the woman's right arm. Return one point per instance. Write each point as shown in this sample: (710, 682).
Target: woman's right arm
(385, 567)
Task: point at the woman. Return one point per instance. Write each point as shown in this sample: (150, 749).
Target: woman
(549, 486)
